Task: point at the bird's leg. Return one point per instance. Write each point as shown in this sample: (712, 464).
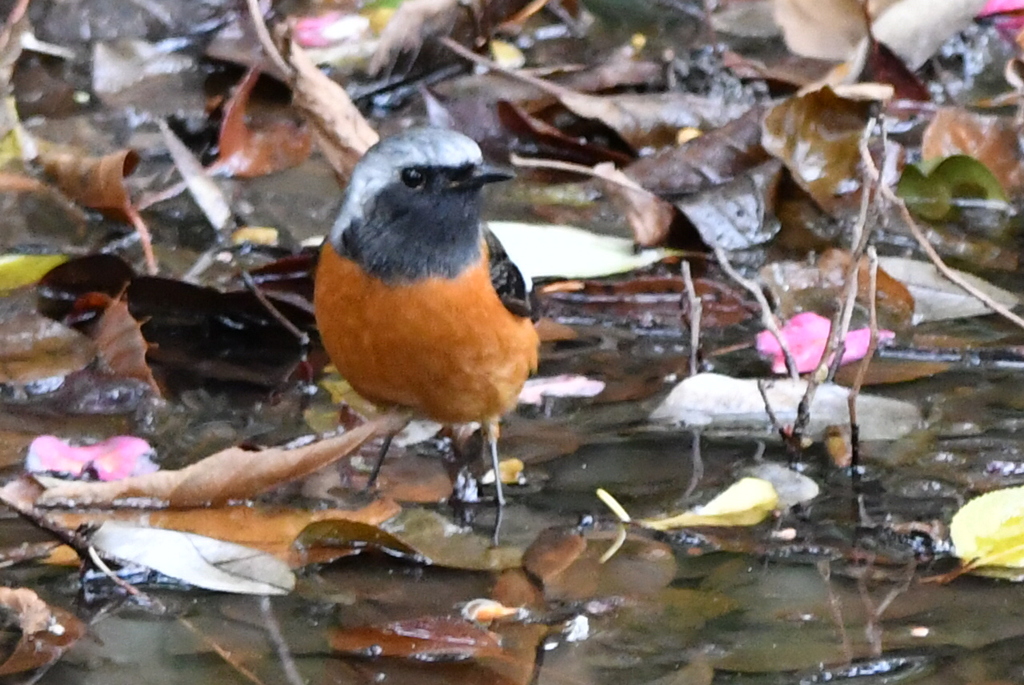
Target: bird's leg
(489, 429)
(490, 433)
(380, 460)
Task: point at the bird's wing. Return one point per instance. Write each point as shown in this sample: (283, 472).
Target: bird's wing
(513, 288)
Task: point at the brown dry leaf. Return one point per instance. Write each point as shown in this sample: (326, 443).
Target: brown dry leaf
(798, 286)
(46, 632)
(883, 371)
(121, 346)
(552, 552)
(738, 214)
(649, 216)
(708, 160)
(431, 638)
(33, 347)
(207, 194)
(270, 530)
(817, 136)
(835, 29)
(435, 538)
(414, 22)
(231, 474)
(991, 139)
(822, 29)
(246, 152)
(95, 182)
(340, 130)
(650, 119)
(641, 120)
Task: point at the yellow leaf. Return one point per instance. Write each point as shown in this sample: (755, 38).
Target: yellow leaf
(989, 530)
(17, 270)
(507, 55)
(746, 502)
(257, 235)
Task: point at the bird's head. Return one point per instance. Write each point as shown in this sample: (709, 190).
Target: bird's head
(412, 206)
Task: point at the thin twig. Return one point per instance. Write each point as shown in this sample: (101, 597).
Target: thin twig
(927, 248)
(696, 465)
(767, 318)
(265, 39)
(145, 239)
(696, 309)
(862, 368)
(301, 336)
(840, 325)
(582, 169)
(291, 671)
(761, 388)
(835, 608)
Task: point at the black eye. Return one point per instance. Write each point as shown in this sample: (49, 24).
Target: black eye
(413, 178)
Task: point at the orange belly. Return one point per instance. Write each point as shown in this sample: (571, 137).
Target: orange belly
(446, 348)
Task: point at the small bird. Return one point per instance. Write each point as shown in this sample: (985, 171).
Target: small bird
(417, 303)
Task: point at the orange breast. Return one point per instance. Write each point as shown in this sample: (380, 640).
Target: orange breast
(447, 348)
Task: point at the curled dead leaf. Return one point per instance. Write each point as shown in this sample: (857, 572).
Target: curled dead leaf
(231, 474)
(46, 632)
(95, 182)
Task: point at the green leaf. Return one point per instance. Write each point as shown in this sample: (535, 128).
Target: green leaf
(934, 189)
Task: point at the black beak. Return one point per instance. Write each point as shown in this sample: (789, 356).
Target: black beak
(482, 175)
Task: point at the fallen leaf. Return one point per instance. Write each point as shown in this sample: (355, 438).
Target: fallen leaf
(414, 22)
(112, 459)
(567, 385)
(648, 215)
(938, 299)
(552, 552)
(791, 486)
(207, 194)
(570, 252)
(724, 405)
(195, 559)
(937, 189)
(446, 544)
(806, 335)
(916, 29)
(46, 632)
(95, 182)
(431, 638)
(33, 347)
(989, 138)
(269, 529)
(339, 128)
(829, 29)
(989, 530)
(834, 29)
(355, 537)
(19, 270)
(817, 136)
(709, 160)
(247, 152)
(121, 345)
(802, 286)
(738, 214)
(746, 502)
(232, 474)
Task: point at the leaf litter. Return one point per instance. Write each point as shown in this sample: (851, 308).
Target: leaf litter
(758, 192)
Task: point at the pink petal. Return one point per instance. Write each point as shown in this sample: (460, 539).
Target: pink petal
(805, 335)
(112, 459)
(559, 386)
(1001, 6)
(329, 29)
